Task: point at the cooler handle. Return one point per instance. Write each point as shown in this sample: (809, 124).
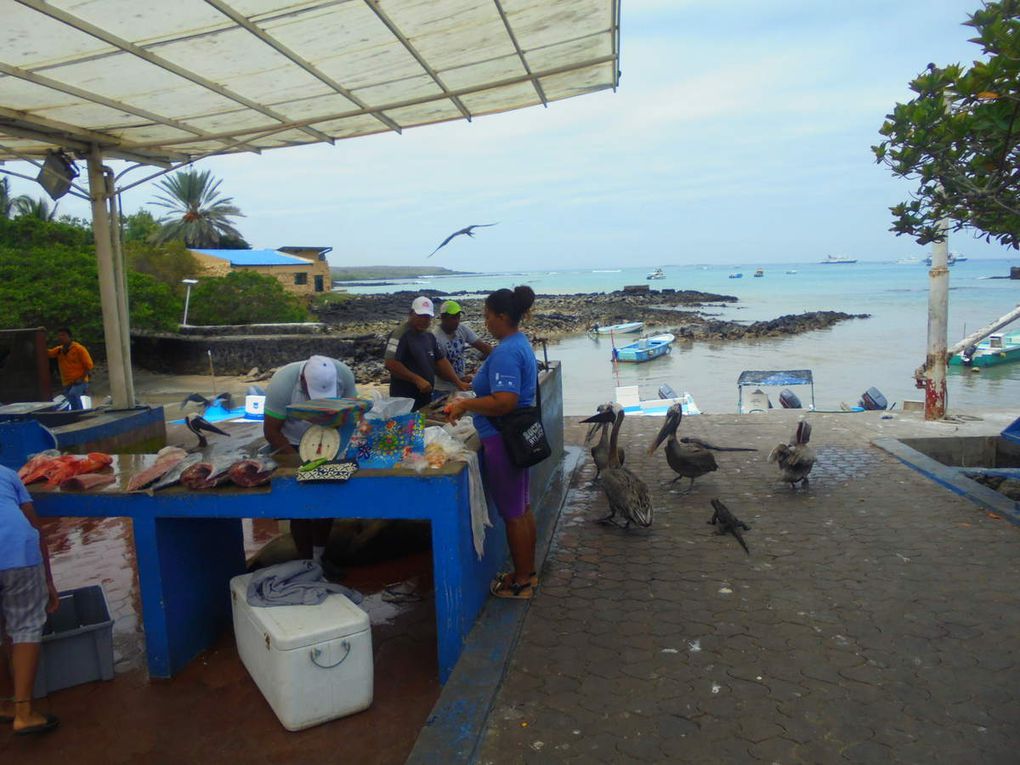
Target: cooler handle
(317, 652)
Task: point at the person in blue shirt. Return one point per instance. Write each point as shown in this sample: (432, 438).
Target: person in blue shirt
(506, 381)
(26, 594)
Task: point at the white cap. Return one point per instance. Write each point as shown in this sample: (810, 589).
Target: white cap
(320, 377)
(423, 306)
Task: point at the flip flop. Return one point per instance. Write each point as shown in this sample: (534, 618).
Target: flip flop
(52, 721)
(6, 719)
(508, 575)
(506, 588)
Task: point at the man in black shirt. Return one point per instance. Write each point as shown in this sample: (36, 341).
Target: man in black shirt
(413, 357)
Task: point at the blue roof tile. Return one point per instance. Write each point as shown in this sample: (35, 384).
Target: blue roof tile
(255, 257)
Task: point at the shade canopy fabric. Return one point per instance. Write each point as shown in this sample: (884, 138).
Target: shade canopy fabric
(775, 377)
(165, 82)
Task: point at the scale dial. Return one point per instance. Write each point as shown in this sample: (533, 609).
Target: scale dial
(318, 443)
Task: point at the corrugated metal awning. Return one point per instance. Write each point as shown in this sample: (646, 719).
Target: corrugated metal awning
(165, 82)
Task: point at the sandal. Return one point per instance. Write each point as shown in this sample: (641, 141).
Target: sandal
(509, 575)
(51, 722)
(507, 588)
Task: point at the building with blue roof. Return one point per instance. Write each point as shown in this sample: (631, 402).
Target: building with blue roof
(301, 270)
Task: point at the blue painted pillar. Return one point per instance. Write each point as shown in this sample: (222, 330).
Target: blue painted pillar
(184, 567)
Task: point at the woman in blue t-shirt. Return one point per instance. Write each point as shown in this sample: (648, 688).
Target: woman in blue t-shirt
(506, 381)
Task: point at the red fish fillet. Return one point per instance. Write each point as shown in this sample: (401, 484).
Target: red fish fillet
(253, 472)
(86, 482)
(160, 468)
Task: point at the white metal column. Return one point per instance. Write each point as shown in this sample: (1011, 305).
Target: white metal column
(938, 329)
(115, 326)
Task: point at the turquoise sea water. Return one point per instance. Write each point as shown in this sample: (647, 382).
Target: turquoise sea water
(847, 359)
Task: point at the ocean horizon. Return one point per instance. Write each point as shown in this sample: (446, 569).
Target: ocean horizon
(882, 351)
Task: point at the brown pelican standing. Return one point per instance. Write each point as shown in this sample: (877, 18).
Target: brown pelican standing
(600, 452)
(196, 423)
(795, 459)
(688, 460)
(627, 494)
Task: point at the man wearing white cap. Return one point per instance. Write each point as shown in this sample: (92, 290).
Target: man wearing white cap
(413, 357)
(295, 383)
(454, 337)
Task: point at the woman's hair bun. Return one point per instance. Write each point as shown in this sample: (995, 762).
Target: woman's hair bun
(524, 298)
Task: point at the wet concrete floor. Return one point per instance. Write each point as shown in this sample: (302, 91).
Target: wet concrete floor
(212, 711)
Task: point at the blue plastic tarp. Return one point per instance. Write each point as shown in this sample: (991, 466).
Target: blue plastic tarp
(776, 377)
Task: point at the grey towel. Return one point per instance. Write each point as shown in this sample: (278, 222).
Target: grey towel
(294, 583)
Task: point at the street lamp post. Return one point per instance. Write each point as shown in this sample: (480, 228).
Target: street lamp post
(187, 299)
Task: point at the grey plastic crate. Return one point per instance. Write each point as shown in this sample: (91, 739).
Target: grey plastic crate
(77, 644)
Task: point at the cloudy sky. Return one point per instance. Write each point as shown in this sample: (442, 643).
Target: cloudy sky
(741, 132)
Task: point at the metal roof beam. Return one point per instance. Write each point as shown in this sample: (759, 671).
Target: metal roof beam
(395, 31)
(128, 47)
(253, 134)
(283, 50)
(520, 53)
(71, 90)
(66, 136)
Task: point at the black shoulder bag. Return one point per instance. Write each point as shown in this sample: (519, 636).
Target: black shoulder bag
(523, 433)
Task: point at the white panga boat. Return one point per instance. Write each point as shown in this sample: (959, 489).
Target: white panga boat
(619, 329)
(656, 274)
(629, 397)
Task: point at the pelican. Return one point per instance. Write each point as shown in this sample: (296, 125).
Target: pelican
(627, 494)
(795, 459)
(688, 460)
(600, 452)
(196, 423)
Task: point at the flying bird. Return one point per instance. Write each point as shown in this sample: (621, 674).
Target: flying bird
(797, 458)
(467, 230)
(223, 399)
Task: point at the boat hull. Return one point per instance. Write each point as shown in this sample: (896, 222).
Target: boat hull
(988, 358)
(644, 350)
(621, 329)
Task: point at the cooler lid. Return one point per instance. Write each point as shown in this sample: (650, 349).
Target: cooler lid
(291, 627)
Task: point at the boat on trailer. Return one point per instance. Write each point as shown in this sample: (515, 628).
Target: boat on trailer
(619, 329)
(645, 349)
(629, 397)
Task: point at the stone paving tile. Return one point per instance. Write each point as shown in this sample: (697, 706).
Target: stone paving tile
(873, 621)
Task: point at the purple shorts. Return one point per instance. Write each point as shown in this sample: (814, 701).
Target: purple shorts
(507, 483)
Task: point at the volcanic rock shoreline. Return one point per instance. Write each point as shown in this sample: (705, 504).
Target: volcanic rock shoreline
(368, 319)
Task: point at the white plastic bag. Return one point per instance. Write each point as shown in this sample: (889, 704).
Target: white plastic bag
(388, 407)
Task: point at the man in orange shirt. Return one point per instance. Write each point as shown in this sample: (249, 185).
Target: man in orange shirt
(75, 364)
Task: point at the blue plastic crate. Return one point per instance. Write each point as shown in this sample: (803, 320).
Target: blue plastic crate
(77, 643)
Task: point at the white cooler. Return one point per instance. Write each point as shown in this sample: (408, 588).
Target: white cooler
(312, 663)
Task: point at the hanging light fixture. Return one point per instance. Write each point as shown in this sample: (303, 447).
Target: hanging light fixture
(58, 172)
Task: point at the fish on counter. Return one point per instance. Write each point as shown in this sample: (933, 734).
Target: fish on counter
(87, 481)
(173, 475)
(209, 472)
(252, 472)
(36, 462)
(167, 458)
(57, 469)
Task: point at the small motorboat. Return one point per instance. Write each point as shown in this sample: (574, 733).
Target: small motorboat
(757, 401)
(619, 329)
(645, 349)
(629, 397)
(759, 273)
(996, 349)
(736, 275)
(656, 274)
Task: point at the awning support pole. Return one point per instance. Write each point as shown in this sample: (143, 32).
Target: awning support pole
(114, 325)
(938, 329)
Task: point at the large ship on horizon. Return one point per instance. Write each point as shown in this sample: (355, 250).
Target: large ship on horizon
(834, 259)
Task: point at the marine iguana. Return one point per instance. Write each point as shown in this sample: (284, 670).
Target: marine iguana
(728, 522)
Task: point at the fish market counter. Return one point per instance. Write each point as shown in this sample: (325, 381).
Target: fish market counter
(189, 543)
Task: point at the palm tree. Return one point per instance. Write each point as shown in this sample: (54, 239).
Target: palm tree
(6, 200)
(26, 206)
(199, 215)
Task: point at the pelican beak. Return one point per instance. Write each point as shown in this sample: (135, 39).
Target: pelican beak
(591, 433)
(669, 426)
(607, 416)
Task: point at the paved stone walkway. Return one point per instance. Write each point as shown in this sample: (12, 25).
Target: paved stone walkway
(877, 618)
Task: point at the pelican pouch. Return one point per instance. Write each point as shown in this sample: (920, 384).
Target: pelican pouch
(524, 435)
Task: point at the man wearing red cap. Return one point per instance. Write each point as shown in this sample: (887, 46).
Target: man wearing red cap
(413, 357)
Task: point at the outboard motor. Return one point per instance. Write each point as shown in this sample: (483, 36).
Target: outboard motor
(872, 399)
(789, 400)
(967, 357)
(666, 391)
